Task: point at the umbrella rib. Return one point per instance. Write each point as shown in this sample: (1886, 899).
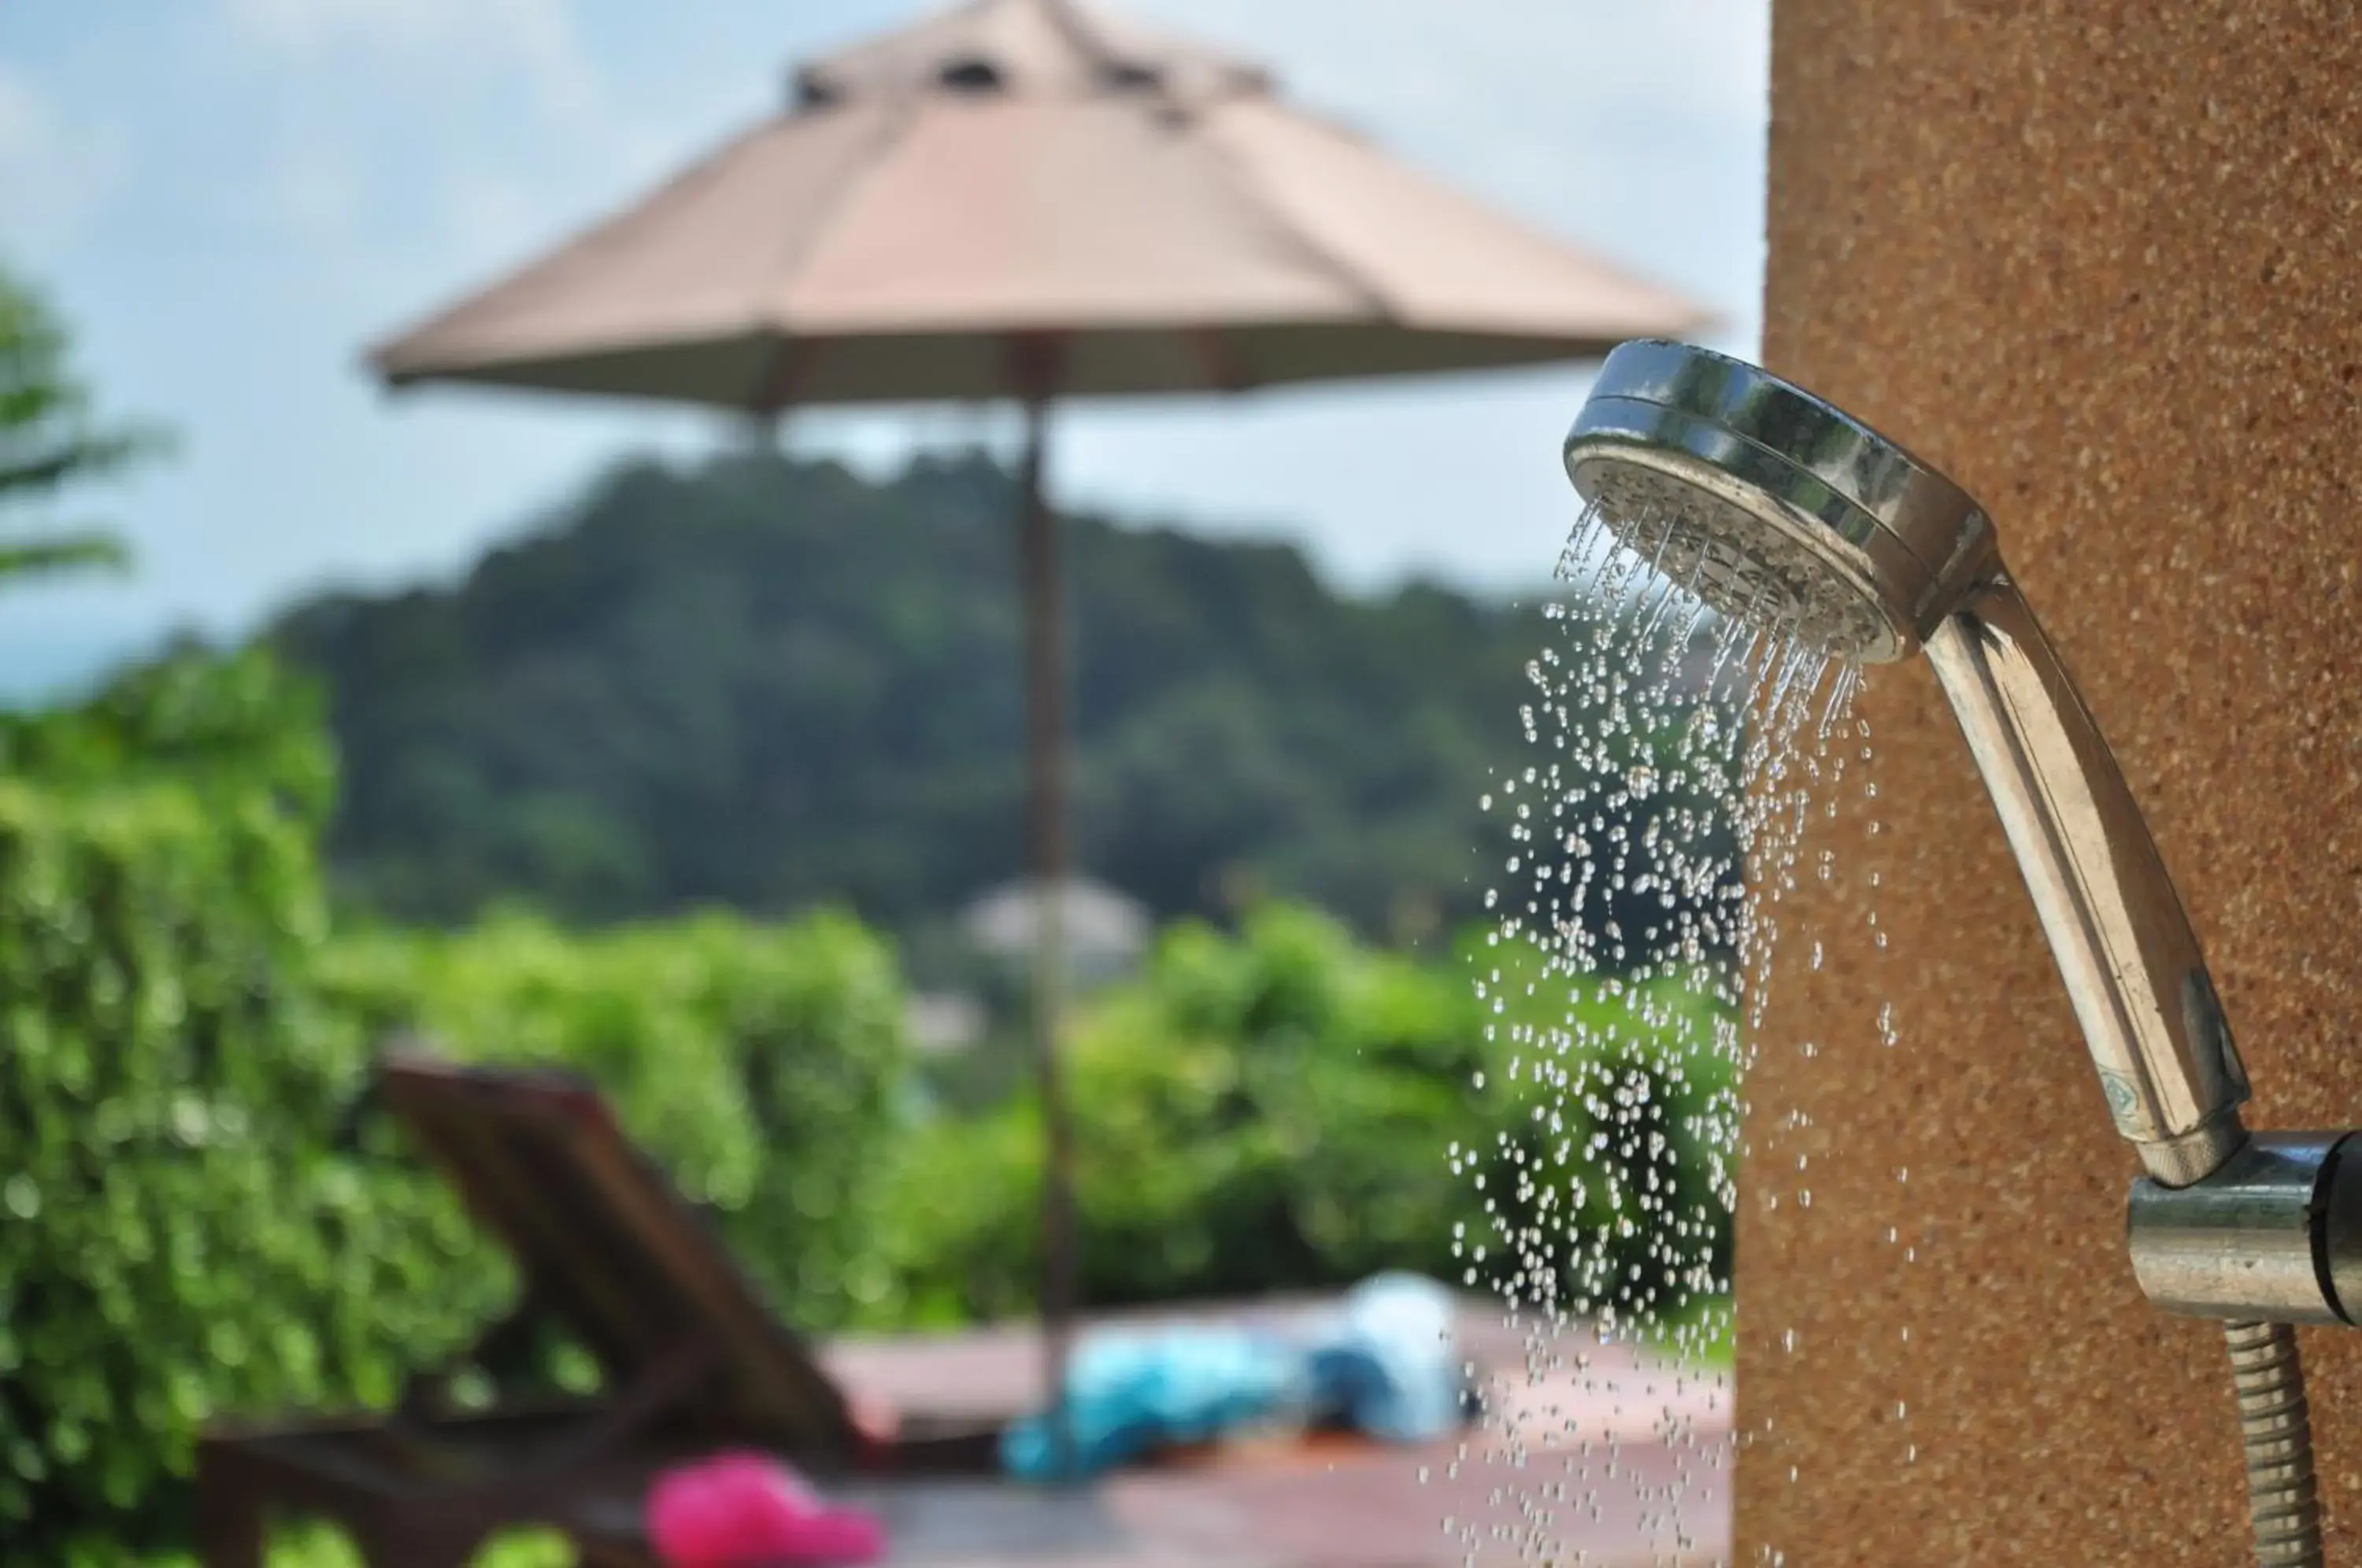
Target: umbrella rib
(1275, 213)
(790, 354)
(1086, 43)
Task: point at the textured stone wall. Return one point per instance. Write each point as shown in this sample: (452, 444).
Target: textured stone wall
(2103, 263)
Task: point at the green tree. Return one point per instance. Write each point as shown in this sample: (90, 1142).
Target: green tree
(50, 440)
(771, 685)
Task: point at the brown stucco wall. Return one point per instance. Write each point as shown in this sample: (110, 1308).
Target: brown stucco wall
(2103, 264)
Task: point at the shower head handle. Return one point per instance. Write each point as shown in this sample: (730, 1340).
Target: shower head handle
(2133, 971)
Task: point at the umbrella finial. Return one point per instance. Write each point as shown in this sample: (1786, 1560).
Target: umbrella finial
(1023, 48)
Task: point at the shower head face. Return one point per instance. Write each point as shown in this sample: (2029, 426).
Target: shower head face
(1772, 507)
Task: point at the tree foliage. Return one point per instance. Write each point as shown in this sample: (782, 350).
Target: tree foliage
(198, 1217)
(50, 439)
(1611, 1192)
(1286, 1108)
(769, 683)
(763, 1066)
(183, 1235)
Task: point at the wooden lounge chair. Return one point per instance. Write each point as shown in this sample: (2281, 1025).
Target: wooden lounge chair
(691, 1360)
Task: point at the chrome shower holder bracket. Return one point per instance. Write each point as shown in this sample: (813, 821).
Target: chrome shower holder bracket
(2274, 1233)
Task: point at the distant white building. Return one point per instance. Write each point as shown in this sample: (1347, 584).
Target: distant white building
(943, 1024)
(1105, 932)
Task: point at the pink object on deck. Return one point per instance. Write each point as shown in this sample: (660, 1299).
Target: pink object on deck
(744, 1510)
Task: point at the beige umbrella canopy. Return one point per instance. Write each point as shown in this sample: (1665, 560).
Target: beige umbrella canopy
(1023, 166)
(1023, 199)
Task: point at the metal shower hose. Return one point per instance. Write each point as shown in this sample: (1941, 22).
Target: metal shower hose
(2282, 1501)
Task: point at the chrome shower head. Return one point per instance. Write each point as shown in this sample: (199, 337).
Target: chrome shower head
(1771, 505)
(1778, 510)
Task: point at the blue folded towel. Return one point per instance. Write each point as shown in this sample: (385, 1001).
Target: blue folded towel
(1129, 1392)
(1384, 1362)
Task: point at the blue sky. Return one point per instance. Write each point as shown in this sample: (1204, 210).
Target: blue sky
(229, 198)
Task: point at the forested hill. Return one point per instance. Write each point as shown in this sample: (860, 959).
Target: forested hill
(768, 682)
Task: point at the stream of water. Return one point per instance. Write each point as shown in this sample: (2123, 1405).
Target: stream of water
(1682, 763)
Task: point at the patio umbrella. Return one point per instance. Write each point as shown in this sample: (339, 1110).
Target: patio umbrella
(1027, 200)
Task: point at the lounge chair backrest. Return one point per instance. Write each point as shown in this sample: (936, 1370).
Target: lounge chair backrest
(607, 1247)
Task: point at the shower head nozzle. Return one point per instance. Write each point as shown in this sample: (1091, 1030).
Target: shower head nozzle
(1771, 505)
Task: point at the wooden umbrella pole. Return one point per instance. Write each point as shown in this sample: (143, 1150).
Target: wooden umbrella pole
(1046, 834)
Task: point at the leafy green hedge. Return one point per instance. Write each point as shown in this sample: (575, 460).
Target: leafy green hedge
(193, 1221)
(1610, 1192)
(1281, 1110)
(762, 1065)
(1254, 1112)
(178, 1235)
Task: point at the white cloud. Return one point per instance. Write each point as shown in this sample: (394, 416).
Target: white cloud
(56, 175)
(445, 133)
(1542, 62)
(312, 190)
(533, 43)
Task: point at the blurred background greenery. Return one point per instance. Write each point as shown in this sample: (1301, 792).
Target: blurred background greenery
(761, 683)
(685, 792)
